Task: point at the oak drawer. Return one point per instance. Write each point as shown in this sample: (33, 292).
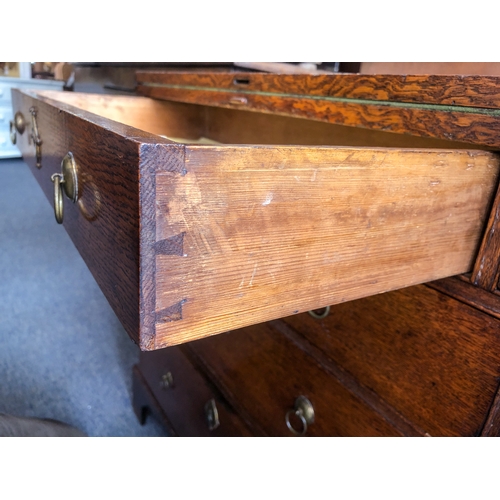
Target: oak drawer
(192, 237)
(264, 373)
(186, 398)
(433, 358)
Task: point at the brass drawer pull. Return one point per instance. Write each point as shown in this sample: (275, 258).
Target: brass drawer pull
(167, 381)
(18, 125)
(36, 137)
(212, 415)
(303, 409)
(66, 181)
(321, 315)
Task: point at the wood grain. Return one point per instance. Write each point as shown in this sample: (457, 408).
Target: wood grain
(104, 224)
(450, 90)
(234, 126)
(432, 358)
(470, 125)
(456, 108)
(431, 68)
(147, 115)
(271, 231)
(486, 272)
(183, 403)
(370, 397)
(470, 294)
(190, 122)
(492, 424)
(261, 373)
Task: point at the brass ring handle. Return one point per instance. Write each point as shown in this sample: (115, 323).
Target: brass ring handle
(298, 413)
(57, 179)
(66, 181)
(303, 409)
(322, 315)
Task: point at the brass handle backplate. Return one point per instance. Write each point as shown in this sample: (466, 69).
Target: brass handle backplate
(303, 409)
(18, 125)
(66, 181)
(36, 137)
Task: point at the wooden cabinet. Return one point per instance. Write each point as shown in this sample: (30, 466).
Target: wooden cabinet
(238, 202)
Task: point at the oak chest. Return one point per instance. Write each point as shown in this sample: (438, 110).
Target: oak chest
(239, 202)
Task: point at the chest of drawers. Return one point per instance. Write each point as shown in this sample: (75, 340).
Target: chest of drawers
(217, 203)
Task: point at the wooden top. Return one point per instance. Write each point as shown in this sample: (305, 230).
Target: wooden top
(454, 107)
(447, 90)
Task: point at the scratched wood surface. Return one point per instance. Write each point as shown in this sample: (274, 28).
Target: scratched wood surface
(460, 108)
(249, 234)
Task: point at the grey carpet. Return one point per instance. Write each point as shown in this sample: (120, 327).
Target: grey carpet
(63, 353)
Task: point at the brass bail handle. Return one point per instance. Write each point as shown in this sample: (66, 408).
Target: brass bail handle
(66, 181)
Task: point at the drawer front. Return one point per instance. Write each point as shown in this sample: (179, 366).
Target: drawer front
(104, 222)
(433, 358)
(186, 398)
(264, 373)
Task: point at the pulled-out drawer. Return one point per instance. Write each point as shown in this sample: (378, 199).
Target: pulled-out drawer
(246, 217)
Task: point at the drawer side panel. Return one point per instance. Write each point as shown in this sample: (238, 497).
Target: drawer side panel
(104, 223)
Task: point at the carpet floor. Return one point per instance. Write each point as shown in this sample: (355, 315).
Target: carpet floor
(63, 353)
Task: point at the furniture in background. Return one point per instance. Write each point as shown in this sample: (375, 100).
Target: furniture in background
(7, 149)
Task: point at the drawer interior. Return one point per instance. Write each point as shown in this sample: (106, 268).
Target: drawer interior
(198, 124)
